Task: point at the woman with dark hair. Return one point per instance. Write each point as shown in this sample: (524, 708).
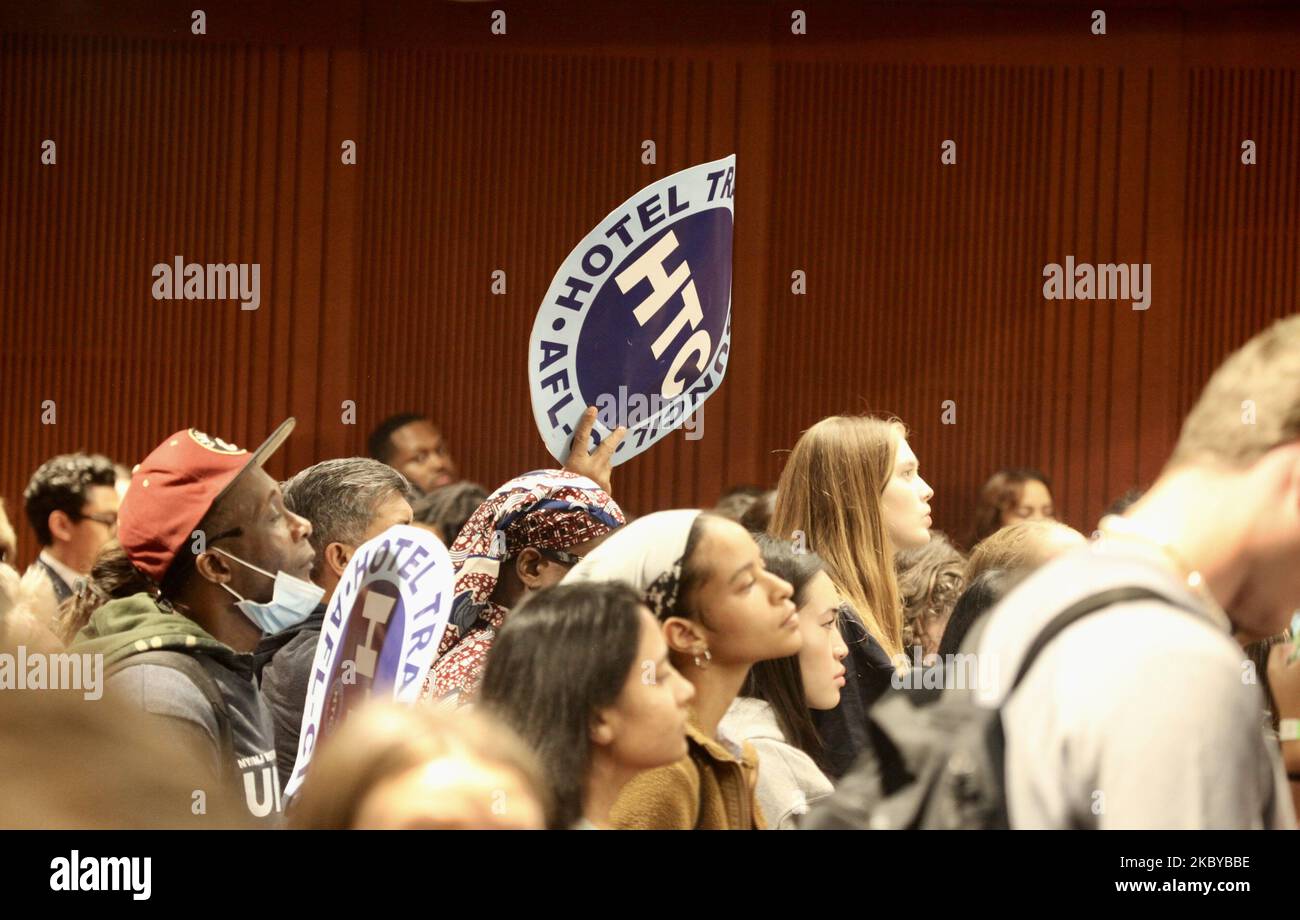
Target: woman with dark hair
(446, 509)
(758, 517)
(570, 673)
(774, 709)
(1011, 496)
(720, 611)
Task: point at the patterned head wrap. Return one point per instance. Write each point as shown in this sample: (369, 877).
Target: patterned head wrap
(647, 554)
(544, 509)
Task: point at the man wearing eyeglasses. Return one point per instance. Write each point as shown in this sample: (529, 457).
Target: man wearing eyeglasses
(71, 503)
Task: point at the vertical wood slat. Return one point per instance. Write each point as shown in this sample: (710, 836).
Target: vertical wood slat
(924, 281)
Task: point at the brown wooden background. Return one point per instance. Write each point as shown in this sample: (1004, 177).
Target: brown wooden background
(480, 152)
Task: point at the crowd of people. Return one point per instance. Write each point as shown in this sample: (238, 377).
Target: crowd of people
(688, 668)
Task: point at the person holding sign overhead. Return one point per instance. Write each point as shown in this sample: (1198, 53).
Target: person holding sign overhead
(525, 537)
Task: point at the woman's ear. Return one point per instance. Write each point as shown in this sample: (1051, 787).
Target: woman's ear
(602, 731)
(529, 566)
(683, 636)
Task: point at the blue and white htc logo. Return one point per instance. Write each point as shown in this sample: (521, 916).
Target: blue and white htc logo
(639, 314)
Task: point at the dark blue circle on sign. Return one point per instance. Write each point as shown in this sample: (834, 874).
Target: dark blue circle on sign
(614, 350)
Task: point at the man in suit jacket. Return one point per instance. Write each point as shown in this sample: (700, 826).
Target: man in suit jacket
(71, 503)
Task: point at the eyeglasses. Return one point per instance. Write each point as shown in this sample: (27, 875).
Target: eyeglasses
(107, 518)
(561, 556)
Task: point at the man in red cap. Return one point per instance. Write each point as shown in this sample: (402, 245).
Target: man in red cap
(210, 561)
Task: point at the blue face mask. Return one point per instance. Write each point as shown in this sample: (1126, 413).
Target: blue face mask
(292, 601)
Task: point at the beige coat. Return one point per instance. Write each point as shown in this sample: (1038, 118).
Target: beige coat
(708, 789)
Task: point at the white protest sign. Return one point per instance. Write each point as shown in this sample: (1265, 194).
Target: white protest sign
(637, 321)
(381, 631)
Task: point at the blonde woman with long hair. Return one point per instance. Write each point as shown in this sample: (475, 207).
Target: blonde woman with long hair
(852, 493)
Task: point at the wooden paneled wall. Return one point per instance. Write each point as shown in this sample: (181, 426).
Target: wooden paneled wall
(478, 152)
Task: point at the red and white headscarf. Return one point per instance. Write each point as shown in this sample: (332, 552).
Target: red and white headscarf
(544, 509)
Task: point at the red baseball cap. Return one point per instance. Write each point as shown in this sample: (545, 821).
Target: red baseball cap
(173, 489)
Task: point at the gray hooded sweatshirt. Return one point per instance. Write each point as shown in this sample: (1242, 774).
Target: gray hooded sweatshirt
(788, 779)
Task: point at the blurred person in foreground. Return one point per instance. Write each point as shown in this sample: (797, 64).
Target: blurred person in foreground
(28, 608)
(1022, 547)
(1137, 715)
(394, 767)
(70, 763)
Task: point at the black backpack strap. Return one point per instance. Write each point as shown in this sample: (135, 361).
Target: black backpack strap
(192, 668)
(1076, 611)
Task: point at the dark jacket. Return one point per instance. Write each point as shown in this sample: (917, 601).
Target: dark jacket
(868, 671)
(62, 590)
(283, 663)
(239, 739)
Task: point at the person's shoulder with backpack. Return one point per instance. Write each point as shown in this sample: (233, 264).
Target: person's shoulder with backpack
(174, 686)
(1136, 717)
(170, 668)
(1052, 701)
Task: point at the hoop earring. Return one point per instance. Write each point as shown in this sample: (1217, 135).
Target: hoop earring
(707, 659)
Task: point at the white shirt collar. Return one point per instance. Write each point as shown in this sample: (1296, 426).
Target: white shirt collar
(69, 575)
